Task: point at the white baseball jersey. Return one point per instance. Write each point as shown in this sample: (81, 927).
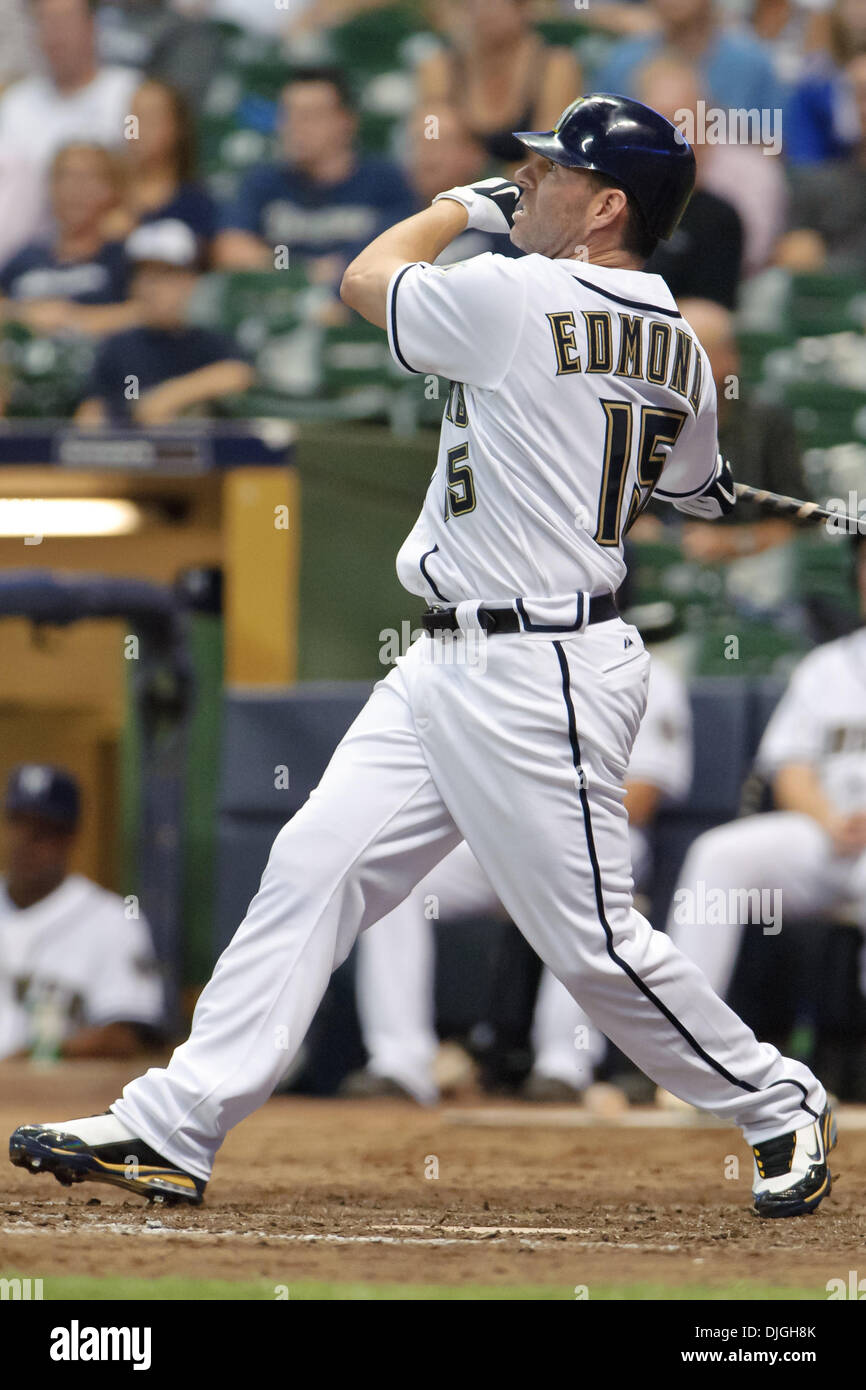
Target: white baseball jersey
(78, 947)
(821, 720)
(575, 388)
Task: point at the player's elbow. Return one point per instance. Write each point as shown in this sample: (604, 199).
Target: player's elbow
(365, 291)
(350, 285)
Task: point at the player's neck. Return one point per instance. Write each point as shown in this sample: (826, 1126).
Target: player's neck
(614, 258)
(26, 894)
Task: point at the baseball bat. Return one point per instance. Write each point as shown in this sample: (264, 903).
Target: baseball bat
(807, 513)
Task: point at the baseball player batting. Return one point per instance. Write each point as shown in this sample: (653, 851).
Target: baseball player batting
(578, 390)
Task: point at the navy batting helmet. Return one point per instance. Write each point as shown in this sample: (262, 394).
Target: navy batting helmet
(629, 142)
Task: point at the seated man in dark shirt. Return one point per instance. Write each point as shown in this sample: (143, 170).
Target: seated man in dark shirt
(827, 216)
(77, 281)
(325, 201)
(757, 437)
(704, 257)
(153, 374)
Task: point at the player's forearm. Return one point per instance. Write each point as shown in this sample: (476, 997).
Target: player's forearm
(237, 250)
(419, 238)
(641, 802)
(169, 400)
(798, 788)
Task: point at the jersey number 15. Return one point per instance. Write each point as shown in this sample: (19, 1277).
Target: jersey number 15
(657, 427)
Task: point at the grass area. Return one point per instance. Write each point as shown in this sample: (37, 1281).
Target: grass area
(102, 1289)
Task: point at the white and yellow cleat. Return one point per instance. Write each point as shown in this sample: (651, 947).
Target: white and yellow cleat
(792, 1174)
(100, 1149)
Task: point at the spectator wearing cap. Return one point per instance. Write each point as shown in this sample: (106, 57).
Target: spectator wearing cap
(324, 201)
(158, 166)
(165, 367)
(77, 972)
(78, 280)
(75, 99)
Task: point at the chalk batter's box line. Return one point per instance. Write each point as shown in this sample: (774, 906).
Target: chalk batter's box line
(850, 1118)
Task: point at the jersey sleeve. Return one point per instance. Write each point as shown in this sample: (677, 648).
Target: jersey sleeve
(691, 464)
(461, 321)
(125, 985)
(796, 728)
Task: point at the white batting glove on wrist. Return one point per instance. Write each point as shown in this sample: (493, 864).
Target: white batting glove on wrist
(717, 499)
(490, 203)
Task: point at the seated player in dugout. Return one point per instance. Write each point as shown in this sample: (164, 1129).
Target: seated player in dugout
(165, 367)
(78, 976)
(807, 857)
(582, 391)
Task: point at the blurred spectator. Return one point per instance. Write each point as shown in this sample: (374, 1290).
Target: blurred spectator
(77, 972)
(18, 51)
(828, 202)
(756, 436)
(165, 368)
(736, 69)
(446, 155)
(160, 163)
(325, 201)
(615, 16)
(742, 175)
(821, 119)
(498, 73)
(270, 18)
(704, 257)
(78, 280)
(76, 99)
(314, 16)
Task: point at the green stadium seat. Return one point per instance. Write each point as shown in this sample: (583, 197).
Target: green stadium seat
(823, 570)
(374, 42)
(320, 373)
(662, 574)
(229, 299)
(825, 303)
(46, 375)
(227, 146)
(824, 413)
(755, 348)
(764, 649)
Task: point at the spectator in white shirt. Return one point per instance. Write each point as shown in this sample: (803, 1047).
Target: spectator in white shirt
(75, 99)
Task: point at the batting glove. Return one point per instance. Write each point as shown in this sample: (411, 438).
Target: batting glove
(490, 203)
(717, 499)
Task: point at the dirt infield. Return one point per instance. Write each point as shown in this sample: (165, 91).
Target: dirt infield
(344, 1191)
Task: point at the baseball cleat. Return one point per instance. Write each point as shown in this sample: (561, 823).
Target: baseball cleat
(792, 1176)
(127, 1163)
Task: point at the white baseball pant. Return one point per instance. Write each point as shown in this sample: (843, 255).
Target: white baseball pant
(524, 756)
